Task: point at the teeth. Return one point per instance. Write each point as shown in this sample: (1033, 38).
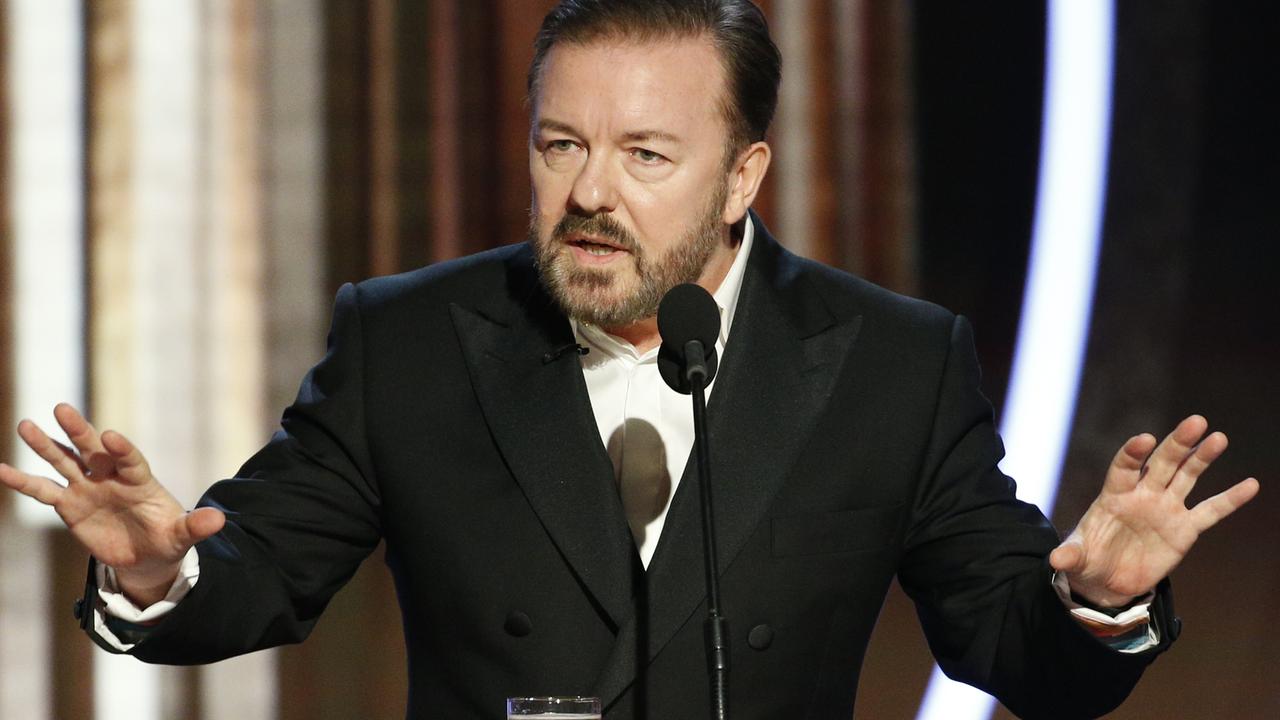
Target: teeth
(595, 248)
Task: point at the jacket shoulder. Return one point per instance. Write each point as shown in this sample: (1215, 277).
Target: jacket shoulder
(843, 295)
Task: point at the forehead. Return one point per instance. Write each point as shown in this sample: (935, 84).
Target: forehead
(669, 85)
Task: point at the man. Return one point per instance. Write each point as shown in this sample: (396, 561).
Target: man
(539, 523)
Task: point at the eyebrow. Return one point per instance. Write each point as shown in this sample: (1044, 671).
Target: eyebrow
(646, 135)
(557, 126)
(633, 135)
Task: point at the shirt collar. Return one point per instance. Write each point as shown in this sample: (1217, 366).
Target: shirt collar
(726, 297)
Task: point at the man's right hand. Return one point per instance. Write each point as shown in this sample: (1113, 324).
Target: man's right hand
(113, 505)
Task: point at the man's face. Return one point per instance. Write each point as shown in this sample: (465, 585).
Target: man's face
(627, 161)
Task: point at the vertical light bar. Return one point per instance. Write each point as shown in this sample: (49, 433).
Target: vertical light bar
(46, 41)
(46, 118)
(1058, 299)
(159, 413)
(1057, 302)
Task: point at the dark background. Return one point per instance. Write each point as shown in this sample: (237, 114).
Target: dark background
(1186, 307)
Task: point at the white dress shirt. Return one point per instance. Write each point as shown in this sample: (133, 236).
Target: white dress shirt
(646, 427)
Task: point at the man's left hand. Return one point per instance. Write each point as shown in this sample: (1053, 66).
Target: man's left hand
(1139, 528)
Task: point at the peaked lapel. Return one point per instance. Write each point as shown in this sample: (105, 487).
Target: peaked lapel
(785, 350)
(537, 407)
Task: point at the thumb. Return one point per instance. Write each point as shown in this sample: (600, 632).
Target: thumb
(199, 524)
(1067, 557)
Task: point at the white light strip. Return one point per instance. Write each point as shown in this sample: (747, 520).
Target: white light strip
(165, 59)
(47, 116)
(1053, 332)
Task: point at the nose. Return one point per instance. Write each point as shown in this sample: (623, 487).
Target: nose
(594, 190)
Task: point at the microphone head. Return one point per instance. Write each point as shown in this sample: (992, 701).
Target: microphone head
(687, 312)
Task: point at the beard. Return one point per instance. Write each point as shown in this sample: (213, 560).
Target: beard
(604, 297)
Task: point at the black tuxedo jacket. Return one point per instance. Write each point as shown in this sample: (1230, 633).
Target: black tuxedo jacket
(849, 442)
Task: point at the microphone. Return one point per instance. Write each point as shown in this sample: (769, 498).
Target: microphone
(563, 350)
(689, 323)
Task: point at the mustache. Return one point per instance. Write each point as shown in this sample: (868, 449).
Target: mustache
(601, 226)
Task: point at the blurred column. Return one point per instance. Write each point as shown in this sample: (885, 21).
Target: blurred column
(842, 186)
(293, 141)
(45, 169)
(384, 230)
(445, 134)
(337, 79)
(142, 169)
(41, 338)
(875, 226)
(498, 180)
(230, 377)
(793, 134)
(25, 687)
(6, 261)
(176, 275)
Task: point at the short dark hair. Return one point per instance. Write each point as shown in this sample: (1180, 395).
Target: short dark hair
(752, 63)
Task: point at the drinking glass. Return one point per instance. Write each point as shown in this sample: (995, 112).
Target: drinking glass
(553, 708)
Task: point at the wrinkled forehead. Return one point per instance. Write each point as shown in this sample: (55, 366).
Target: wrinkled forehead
(676, 80)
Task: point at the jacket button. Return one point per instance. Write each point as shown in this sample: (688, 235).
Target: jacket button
(518, 624)
(78, 609)
(760, 637)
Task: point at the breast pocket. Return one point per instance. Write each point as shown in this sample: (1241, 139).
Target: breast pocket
(845, 531)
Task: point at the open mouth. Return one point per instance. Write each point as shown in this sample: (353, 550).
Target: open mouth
(598, 247)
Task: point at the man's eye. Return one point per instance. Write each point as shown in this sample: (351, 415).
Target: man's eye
(647, 157)
(560, 146)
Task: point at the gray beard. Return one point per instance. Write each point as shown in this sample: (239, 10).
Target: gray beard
(582, 293)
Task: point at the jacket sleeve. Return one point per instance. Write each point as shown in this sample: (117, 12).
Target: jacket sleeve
(302, 514)
(976, 566)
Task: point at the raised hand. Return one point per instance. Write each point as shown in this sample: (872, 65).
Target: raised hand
(113, 504)
(1139, 528)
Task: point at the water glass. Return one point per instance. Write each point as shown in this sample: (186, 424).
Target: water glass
(553, 708)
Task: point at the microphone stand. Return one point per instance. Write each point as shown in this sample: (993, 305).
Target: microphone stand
(716, 627)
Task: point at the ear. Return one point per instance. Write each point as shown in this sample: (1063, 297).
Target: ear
(745, 179)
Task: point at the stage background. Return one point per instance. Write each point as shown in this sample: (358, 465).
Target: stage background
(239, 160)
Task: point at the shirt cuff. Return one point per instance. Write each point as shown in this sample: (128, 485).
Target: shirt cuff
(1130, 631)
(123, 624)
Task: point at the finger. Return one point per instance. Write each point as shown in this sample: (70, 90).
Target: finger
(199, 524)
(1067, 557)
(1126, 466)
(1210, 511)
(130, 465)
(41, 489)
(1209, 450)
(75, 457)
(1173, 450)
(85, 438)
(49, 451)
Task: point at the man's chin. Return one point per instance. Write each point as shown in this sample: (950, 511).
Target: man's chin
(603, 307)
(606, 295)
